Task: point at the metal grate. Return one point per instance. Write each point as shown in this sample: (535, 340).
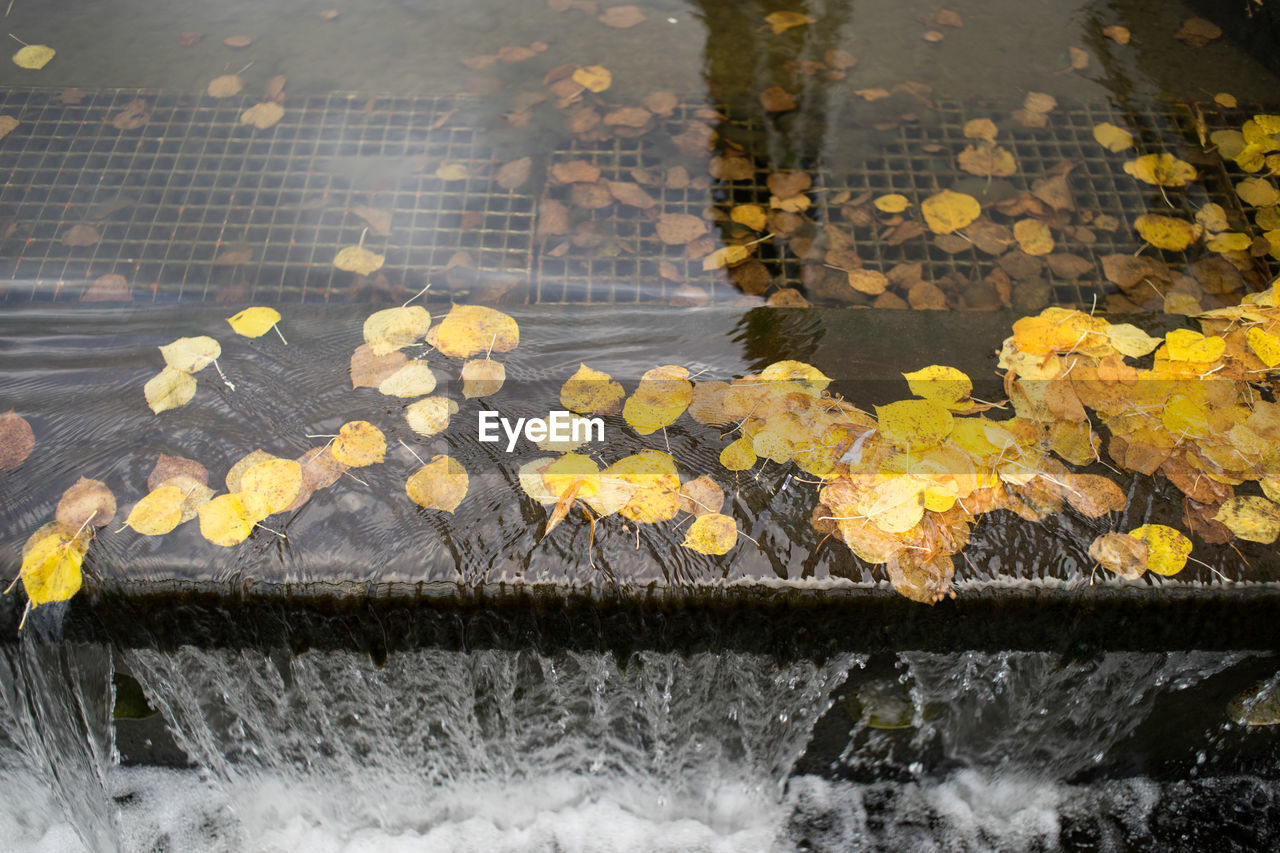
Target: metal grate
(171, 197)
(193, 182)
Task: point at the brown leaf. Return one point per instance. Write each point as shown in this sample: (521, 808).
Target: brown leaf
(111, 287)
(516, 53)
(787, 297)
(176, 466)
(274, 88)
(225, 85)
(319, 468)
(16, 440)
(574, 171)
(732, 169)
(787, 185)
(631, 194)
(514, 174)
(80, 235)
(660, 103)
(379, 221)
(134, 114)
(480, 63)
(238, 41)
(71, 96)
(990, 237)
(232, 257)
(628, 117)
(368, 370)
(553, 218)
(948, 18)
(1117, 33)
(839, 59)
(1064, 265)
(621, 17)
(926, 296)
(1079, 58)
(188, 38)
(590, 196)
(1197, 32)
(1054, 192)
(88, 503)
(776, 99)
(676, 229)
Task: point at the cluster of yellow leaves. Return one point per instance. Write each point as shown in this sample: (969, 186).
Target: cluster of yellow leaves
(1193, 414)
(1254, 148)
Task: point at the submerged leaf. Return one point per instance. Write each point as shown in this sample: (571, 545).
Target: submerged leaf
(358, 259)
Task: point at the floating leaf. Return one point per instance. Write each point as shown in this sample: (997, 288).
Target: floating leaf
(1189, 345)
(591, 392)
(662, 396)
(1197, 32)
(358, 259)
(390, 329)
(1131, 341)
(892, 203)
(270, 486)
(1162, 170)
(946, 386)
(917, 423)
(225, 520)
(1166, 232)
(225, 86)
(440, 484)
(263, 116)
(88, 503)
(776, 99)
(1265, 345)
(470, 329)
(413, 380)
(594, 78)
(1167, 549)
(254, 322)
(656, 495)
(949, 211)
(783, 20)
(159, 511)
(1253, 518)
(1120, 553)
(51, 568)
(712, 533)
(1112, 137)
(16, 440)
(169, 389)
(482, 377)
(430, 415)
(739, 455)
(701, 496)
(33, 56)
(359, 443)
(191, 354)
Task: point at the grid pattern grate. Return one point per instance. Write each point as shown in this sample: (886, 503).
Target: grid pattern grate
(172, 200)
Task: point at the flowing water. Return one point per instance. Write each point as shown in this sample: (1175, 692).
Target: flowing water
(723, 744)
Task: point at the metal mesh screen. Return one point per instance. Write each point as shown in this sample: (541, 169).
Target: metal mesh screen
(172, 201)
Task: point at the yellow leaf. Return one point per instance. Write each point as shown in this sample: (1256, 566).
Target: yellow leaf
(1111, 137)
(711, 533)
(572, 469)
(1129, 340)
(1212, 217)
(51, 568)
(726, 256)
(159, 511)
(271, 486)
(482, 377)
(751, 215)
(892, 203)
(1183, 416)
(949, 211)
(1265, 345)
(358, 259)
(782, 21)
(1163, 170)
(225, 521)
(916, 423)
(1166, 232)
(169, 389)
(1228, 241)
(1253, 518)
(662, 396)
(1188, 345)
(452, 172)
(470, 329)
(412, 380)
(594, 78)
(987, 160)
(1167, 549)
(739, 455)
(796, 371)
(893, 504)
(191, 355)
(430, 415)
(980, 128)
(657, 486)
(394, 328)
(944, 385)
(1257, 192)
(591, 392)
(33, 56)
(440, 484)
(254, 322)
(1033, 236)
(359, 443)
